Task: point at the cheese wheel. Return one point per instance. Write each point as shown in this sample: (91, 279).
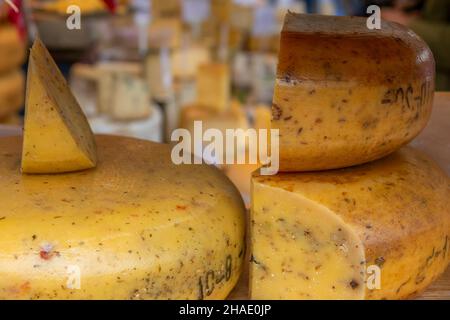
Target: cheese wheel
(12, 92)
(346, 95)
(376, 231)
(135, 227)
(12, 48)
(57, 136)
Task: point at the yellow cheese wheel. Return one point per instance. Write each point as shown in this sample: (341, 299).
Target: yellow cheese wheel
(135, 227)
(12, 48)
(346, 95)
(12, 92)
(375, 231)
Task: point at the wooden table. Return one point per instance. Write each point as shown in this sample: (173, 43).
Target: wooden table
(434, 140)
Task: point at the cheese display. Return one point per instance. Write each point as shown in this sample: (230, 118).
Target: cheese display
(324, 235)
(12, 48)
(12, 92)
(346, 95)
(135, 227)
(213, 86)
(131, 98)
(57, 136)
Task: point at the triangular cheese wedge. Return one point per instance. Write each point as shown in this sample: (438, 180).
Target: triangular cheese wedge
(57, 136)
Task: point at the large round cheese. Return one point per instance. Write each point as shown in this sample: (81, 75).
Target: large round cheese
(376, 231)
(135, 227)
(346, 95)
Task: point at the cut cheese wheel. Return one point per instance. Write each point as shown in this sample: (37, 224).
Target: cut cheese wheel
(346, 95)
(12, 48)
(57, 136)
(213, 86)
(137, 227)
(376, 231)
(12, 92)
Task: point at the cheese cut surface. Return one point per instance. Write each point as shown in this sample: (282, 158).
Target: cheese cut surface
(12, 48)
(325, 235)
(136, 227)
(346, 95)
(213, 86)
(57, 136)
(12, 92)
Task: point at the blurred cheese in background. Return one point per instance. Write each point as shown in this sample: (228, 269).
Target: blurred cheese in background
(186, 61)
(213, 86)
(12, 79)
(12, 48)
(12, 86)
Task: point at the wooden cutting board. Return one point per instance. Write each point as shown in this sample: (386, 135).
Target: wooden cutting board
(434, 140)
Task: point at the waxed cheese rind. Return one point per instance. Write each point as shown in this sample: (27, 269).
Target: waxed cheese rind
(347, 96)
(138, 227)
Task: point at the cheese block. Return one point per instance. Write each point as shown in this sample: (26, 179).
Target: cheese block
(346, 95)
(375, 231)
(131, 98)
(165, 33)
(106, 84)
(213, 86)
(57, 136)
(136, 227)
(12, 48)
(12, 92)
(158, 72)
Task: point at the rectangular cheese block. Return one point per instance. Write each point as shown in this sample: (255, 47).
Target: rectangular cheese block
(12, 48)
(105, 73)
(213, 86)
(57, 136)
(131, 98)
(12, 92)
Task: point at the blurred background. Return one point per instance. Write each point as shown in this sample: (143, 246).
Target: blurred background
(143, 68)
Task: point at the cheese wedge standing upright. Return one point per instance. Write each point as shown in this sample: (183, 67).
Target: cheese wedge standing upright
(346, 95)
(375, 231)
(57, 136)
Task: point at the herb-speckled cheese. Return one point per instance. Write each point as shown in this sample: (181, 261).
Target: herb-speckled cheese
(346, 95)
(12, 93)
(323, 235)
(57, 136)
(135, 227)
